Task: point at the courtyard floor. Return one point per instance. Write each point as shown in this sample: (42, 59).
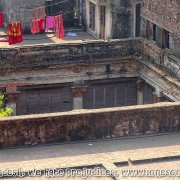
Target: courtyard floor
(48, 38)
(106, 153)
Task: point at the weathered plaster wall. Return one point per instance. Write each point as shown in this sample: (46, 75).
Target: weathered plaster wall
(122, 15)
(88, 125)
(61, 54)
(20, 10)
(61, 63)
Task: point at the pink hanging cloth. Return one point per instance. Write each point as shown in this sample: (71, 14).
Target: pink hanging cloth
(50, 23)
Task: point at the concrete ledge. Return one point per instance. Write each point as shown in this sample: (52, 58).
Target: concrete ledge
(93, 111)
(89, 124)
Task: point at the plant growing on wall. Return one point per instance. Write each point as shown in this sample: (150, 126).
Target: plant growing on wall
(4, 111)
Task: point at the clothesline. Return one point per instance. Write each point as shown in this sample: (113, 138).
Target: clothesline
(57, 33)
(68, 12)
(41, 6)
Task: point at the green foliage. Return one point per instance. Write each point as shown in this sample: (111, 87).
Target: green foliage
(4, 111)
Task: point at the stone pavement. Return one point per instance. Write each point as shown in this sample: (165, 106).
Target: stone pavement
(145, 148)
(47, 39)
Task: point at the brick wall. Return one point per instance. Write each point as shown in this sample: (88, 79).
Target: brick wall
(89, 124)
(164, 13)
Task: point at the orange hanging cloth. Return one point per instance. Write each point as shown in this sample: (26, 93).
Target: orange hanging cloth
(59, 26)
(15, 33)
(1, 19)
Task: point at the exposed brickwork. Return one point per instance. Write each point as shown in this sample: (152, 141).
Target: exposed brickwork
(87, 125)
(164, 13)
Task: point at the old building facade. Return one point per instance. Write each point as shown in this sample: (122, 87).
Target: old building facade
(124, 69)
(116, 19)
(161, 24)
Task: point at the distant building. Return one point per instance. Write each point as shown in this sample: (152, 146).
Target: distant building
(161, 24)
(107, 19)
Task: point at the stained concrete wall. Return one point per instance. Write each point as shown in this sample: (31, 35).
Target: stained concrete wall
(89, 124)
(20, 10)
(122, 16)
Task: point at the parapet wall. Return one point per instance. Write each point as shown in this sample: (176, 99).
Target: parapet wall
(47, 55)
(89, 124)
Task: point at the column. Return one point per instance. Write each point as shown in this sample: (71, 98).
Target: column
(108, 22)
(140, 94)
(157, 98)
(11, 97)
(97, 21)
(78, 93)
(157, 95)
(87, 13)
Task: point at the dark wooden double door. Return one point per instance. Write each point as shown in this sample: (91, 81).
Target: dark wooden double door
(44, 100)
(99, 94)
(111, 95)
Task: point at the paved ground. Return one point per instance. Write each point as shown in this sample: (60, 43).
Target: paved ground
(104, 153)
(76, 149)
(48, 39)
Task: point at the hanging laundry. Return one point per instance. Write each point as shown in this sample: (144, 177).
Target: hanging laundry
(62, 27)
(50, 23)
(59, 26)
(15, 33)
(41, 24)
(35, 26)
(1, 19)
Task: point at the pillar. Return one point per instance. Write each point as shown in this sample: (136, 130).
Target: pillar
(140, 94)
(108, 24)
(11, 97)
(78, 93)
(97, 21)
(157, 98)
(157, 95)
